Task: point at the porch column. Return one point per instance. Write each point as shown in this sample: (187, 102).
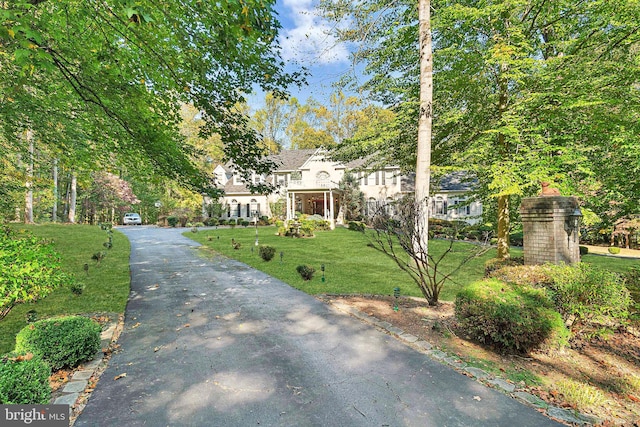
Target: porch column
(324, 211)
(288, 216)
(332, 221)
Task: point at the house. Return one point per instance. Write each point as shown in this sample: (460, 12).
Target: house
(308, 183)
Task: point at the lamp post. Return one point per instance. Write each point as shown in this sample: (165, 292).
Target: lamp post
(255, 219)
(572, 223)
(396, 294)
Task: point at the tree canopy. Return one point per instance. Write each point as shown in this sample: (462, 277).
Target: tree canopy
(104, 80)
(524, 91)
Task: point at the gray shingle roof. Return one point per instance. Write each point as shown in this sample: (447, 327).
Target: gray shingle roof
(290, 160)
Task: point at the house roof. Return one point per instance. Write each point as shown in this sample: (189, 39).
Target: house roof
(291, 160)
(455, 182)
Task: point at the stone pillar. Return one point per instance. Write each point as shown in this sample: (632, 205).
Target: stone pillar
(549, 235)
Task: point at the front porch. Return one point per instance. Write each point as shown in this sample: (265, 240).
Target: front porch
(322, 201)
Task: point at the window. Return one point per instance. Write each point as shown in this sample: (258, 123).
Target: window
(383, 176)
(365, 178)
(462, 210)
(390, 207)
(371, 206)
(439, 206)
(234, 208)
(322, 176)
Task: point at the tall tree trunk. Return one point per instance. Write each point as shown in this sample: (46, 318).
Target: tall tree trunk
(423, 163)
(54, 211)
(72, 198)
(28, 200)
(504, 222)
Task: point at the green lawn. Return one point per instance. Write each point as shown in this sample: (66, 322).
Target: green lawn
(351, 267)
(106, 286)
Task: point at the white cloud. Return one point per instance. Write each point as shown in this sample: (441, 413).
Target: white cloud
(306, 37)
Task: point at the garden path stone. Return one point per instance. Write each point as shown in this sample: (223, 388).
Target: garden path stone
(212, 342)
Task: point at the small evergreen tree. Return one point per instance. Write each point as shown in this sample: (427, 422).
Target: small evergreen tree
(353, 197)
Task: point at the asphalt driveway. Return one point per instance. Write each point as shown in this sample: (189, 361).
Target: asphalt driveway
(212, 342)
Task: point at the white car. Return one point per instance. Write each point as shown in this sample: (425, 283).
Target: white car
(131, 219)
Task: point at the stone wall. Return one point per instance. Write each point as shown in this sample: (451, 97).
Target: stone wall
(544, 221)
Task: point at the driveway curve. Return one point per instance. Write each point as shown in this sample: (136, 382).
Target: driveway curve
(213, 342)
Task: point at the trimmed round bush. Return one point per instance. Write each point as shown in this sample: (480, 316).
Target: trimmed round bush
(495, 264)
(305, 271)
(172, 221)
(583, 250)
(24, 380)
(614, 250)
(267, 252)
(62, 342)
(510, 318)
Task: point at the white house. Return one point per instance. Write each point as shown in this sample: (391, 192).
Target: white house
(308, 183)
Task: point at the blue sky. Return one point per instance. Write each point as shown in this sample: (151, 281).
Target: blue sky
(306, 39)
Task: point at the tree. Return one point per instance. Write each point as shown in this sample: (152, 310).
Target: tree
(119, 71)
(273, 120)
(352, 198)
(525, 91)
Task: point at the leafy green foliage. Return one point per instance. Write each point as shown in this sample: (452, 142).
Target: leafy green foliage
(305, 271)
(118, 75)
(357, 226)
(30, 269)
(524, 92)
(267, 252)
(512, 318)
(24, 380)
(106, 291)
(172, 221)
(614, 250)
(589, 294)
(63, 342)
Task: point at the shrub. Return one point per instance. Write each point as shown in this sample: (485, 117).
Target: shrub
(24, 379)
(356, 226)
(511, 318)
(517, 238)
(244, 223)
(495, 264)
(267, 252)
(63, 342)
(30, 269)
(589, 294)
(172, 221)
(212, 222)
(222, 222)
(523, 275)
(77, 288)
(614, 250)
(305, 271)
(194, 229)
(632, 278)
(583, 250)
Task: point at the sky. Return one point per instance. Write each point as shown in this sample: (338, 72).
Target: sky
(305, 39)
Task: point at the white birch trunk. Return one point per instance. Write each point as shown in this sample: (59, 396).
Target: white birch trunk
(72, 198)
(28, 200)
(54, 211)
(423, 164)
